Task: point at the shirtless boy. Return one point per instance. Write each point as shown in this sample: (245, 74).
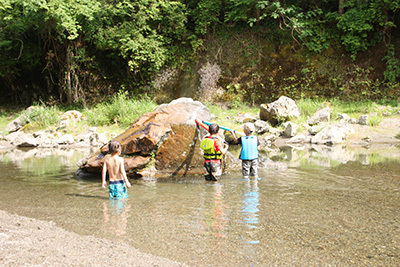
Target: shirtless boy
(116, 173)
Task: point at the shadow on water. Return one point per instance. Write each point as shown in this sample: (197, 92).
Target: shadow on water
(86, 196)
(312, 205)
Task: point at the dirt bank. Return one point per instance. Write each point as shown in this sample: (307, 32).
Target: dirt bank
(31, 242)
(385, 132)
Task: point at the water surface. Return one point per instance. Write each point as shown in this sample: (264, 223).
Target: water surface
(323, 209)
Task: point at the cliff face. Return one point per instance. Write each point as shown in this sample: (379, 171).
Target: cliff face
(253, 69)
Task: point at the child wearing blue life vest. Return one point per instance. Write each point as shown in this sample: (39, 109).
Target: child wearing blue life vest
(114, 164)
(249, 152)
(213, 149)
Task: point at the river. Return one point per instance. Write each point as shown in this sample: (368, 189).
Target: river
(324, 208)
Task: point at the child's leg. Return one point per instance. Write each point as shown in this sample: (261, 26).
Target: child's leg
(121, 191)
(111, 191)
(208, 171)
(246, 168)
(254, 167)
(212, 170)
(216, 167)
(117, 190)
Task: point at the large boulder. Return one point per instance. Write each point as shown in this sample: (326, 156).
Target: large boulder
(166, 138)
(279, 111)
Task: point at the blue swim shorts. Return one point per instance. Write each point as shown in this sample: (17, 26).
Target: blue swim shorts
(117, 190)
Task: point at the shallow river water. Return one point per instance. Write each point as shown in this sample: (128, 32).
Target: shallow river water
(323, 209)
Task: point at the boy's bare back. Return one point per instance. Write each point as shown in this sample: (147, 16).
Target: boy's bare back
(114, 166)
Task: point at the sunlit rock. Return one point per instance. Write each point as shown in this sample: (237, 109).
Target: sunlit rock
(261, 126)
(363, 120)
(320, 116)
(16, 124)
(281, 110)
(245, 117)
(290, 129)
(332, 134)
(26, 140)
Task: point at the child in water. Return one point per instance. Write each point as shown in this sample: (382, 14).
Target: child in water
(249, 152)
(116, 173)
(213, 150)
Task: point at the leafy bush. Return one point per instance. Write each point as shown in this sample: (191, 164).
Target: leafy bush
(392, 71)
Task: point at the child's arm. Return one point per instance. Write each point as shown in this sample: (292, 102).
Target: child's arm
(224, 148)
(123, 173)
(103, 175)
(234, 136)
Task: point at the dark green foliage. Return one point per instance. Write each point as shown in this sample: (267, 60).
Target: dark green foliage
(392, 71)
(72, 51)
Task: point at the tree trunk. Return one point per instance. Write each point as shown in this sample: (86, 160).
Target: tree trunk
(68, 75)
(341, 9)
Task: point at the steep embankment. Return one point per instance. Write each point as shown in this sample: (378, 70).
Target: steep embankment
(240, 66)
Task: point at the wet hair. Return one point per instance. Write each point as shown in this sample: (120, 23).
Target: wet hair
(213, 128)
(248, 127)
(114, 147)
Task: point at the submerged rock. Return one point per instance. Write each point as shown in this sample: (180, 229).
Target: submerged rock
(165, 140)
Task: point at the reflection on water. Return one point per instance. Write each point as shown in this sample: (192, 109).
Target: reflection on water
(216, 220)
(250, 209)
(116, 214)
(250, 203)
(324, 208)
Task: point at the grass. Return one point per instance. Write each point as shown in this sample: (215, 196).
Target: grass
(42, 116)
(121, 110)
(5, 118)
(226, 116)
(114, 115)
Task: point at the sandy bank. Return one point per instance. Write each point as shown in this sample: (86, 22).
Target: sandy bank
(30, 242)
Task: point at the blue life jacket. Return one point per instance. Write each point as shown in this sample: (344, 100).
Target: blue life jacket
(249, 147)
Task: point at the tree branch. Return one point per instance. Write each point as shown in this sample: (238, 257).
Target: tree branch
(20, 50)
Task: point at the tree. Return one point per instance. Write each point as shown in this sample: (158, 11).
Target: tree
(53, 32)
(144, 33)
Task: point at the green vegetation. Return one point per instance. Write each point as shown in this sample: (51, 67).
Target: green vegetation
(77, 52)
(226, 116)
(114, 115)
(42, 116)
(121, 110)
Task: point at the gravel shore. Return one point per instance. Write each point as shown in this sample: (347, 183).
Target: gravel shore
(30, 242)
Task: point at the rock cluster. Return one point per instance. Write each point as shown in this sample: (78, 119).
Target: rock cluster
(319, 128)
(51, 138)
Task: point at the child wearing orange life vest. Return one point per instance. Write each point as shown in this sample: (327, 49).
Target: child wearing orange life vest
(249, 151)
(213, 149)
